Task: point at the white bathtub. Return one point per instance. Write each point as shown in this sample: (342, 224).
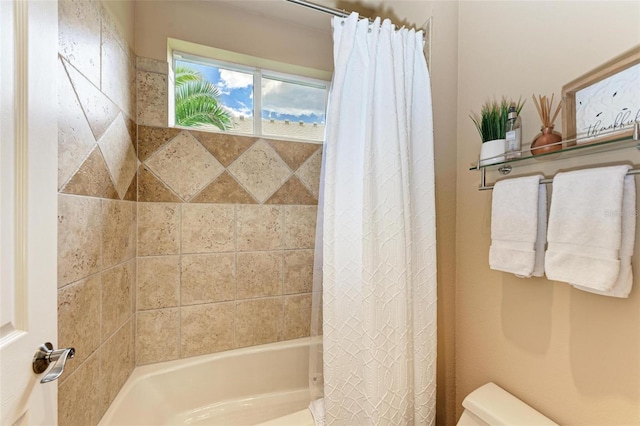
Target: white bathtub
(249, 386)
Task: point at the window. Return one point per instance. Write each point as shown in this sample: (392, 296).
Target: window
(215, 95)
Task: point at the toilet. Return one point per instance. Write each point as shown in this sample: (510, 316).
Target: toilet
(492, 405)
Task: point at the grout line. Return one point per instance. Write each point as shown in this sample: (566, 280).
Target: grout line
(235, 274)
(137, 212)
(282, 314)
(253, 197)
(100, 76)
(102, 270)
(180, 238)
(283, 224)
(166, 185)
(282, 271)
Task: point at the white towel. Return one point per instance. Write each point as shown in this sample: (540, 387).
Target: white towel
(518, 226)
(623, 284)
(317, 411)
(585, 229)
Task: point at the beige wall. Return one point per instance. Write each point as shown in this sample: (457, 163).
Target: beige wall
(96, 212)
(213, 24)
(574, 356)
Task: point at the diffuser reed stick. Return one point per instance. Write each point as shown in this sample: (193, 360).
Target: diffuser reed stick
(544, 107)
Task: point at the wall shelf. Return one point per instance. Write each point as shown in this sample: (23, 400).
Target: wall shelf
(613, 143)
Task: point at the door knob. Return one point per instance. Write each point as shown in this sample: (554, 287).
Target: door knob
(45, 355)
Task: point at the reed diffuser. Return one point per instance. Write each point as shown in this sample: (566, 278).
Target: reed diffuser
(547, 140)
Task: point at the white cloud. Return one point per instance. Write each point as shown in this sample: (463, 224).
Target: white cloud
(237, 112)
(234, 80)
(294, 99)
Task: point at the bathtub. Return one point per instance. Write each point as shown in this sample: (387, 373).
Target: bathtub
(265, 384)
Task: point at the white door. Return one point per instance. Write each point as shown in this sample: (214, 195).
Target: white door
(28, 224)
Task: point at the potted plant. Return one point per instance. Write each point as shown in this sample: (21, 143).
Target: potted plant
(491, 124)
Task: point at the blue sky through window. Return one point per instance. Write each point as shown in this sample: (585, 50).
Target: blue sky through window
(236, 94)
(280, 100)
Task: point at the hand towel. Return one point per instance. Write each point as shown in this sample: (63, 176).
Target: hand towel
(623, 284)
(585, 227)
(518, 225)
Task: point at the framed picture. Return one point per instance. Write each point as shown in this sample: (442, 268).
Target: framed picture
(603, 104)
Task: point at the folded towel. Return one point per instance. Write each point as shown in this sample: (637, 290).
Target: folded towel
(518, 225)
(585, 228)
(623, 284)
(317, 411)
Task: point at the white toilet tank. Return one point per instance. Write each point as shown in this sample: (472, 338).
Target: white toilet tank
(492, 405)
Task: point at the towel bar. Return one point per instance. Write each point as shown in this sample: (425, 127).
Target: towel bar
(484, 187)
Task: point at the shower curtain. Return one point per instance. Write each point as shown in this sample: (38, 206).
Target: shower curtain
(377, 222)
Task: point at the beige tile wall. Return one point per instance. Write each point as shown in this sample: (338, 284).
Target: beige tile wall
(97, 212)
(226, 228)
(206, 284)
(208, 237)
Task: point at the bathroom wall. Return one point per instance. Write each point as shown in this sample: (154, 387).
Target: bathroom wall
(226, 232)
(96, 211)
(572, 355)
(220, 24)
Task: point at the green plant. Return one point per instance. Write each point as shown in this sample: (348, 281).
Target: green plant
(492, 121)
(197, 101)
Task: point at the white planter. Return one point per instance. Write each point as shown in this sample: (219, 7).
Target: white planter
(492, 152)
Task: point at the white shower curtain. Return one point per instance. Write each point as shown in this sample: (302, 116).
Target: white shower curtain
(379, 252)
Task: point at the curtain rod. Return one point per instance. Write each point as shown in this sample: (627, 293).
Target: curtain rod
(343, 13)
(321, 8)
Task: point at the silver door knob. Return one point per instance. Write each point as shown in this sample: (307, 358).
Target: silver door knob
(45, 355)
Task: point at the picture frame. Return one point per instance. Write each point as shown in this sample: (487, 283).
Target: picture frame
(604, 103)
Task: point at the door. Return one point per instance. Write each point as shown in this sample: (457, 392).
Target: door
(28, 209)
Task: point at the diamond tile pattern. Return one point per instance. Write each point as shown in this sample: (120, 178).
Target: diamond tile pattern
(98, 109)
(185, 165)
(150, 139)
(75, 139)
(260, 170)
(225, 190)
(309, 172)
(152, 189)
(292, 192)
(92, 178)
(118, 152)
(226, 148)
(253, 170)
(294, 153)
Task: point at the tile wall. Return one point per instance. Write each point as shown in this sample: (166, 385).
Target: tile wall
(97, 211)
(226, 228)
(172, 243)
